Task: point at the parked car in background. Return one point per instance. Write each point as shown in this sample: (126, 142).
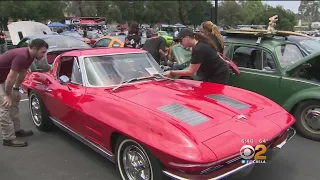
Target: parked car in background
(114, 41)
(93, 36)
(76, 34)
(282, 66)
(117, 102)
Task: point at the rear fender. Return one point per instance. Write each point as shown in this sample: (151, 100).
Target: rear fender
(310, 93)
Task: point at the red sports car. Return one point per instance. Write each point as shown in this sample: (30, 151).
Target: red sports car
(118, 102)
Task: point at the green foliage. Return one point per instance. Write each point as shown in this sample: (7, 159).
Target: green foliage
(231, 12)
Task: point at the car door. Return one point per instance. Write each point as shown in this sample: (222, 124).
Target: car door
(62, 100)
(105, 42)
(259, 71)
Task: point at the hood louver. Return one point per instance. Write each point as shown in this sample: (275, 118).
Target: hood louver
(183, 113)
(228, 101)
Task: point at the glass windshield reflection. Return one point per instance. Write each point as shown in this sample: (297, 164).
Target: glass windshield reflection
(110, 70)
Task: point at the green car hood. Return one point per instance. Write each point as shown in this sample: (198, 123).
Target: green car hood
(168, 39)
(302, 61)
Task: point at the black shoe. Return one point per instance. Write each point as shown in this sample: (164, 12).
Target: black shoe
(24, 133)
(15, 143)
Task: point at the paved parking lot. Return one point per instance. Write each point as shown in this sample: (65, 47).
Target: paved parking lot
(58, 156)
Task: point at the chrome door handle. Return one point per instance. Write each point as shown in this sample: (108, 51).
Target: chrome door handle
(48, 90)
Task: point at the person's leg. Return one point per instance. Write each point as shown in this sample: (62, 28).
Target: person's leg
(2, 49)
(7, 125)
(14, 114)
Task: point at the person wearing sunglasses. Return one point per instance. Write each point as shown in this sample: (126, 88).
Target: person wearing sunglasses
(205, 61)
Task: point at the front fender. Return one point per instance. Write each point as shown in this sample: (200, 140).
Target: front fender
(309, 93)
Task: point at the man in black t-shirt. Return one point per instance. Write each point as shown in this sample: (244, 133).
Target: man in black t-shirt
(156, 46)
(204, 61)
(3, 44)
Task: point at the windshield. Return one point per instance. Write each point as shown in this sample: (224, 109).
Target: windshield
(110, 70)
(94, 36)
(288, 54)
(65, 42)
(308, 45)
(163, 33)
(73, 34)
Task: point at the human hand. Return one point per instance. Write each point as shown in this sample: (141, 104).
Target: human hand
(167, 73)
(7, 101)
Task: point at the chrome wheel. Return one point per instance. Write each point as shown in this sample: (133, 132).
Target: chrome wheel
(134, 161)
(311, 119)
(35, 110)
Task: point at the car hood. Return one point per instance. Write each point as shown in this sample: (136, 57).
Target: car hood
(303, 60)
(205, 110)
(26, 28)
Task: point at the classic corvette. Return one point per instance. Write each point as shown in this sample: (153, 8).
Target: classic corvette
(117, 101)
(283, 67)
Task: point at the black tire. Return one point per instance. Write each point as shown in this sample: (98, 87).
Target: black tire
(186, 77)
(301, 127)
(44, 123)
(121, 146)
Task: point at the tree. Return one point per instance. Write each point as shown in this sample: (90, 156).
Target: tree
(309, 10)
(230, 13)
(81, 8)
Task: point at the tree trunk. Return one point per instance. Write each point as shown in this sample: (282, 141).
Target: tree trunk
(181, 17)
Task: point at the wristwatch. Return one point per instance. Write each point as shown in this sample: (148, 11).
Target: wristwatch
(16, 88)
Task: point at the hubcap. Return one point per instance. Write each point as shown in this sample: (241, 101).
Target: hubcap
(311, 119)
(136, 164)
(35, 110)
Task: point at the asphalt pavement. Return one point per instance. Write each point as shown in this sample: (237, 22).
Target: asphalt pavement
(58, 156)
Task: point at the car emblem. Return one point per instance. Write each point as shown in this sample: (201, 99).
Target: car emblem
(241, 116)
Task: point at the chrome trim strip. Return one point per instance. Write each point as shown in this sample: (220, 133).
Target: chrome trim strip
(291, 134)
(215, 178)
(93, 146)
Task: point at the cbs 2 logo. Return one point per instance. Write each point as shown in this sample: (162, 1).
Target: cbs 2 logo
(248, 152)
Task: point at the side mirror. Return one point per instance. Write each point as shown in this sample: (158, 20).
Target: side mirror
(64, 79)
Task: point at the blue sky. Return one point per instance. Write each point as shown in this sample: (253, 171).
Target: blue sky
(292, 5)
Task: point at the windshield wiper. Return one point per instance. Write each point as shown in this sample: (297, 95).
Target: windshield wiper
(155, 76)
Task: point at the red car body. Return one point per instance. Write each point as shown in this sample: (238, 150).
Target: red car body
(99, 115)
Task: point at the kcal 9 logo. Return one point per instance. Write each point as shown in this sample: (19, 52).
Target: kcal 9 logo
(248, 152)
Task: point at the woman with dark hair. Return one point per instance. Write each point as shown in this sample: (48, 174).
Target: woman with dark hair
(204, 59)
(133, 40)
(212, 31)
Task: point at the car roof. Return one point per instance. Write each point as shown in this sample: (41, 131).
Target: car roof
(265, 42)
(102, 51)
(44, 36)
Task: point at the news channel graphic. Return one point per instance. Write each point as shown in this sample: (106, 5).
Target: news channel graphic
(250, 154)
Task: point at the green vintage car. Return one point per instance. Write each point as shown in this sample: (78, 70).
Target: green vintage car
(284, 67)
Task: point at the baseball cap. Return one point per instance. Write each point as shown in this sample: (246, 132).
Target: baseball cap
(184, 33)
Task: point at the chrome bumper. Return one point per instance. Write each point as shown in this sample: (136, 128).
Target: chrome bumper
(245, 167)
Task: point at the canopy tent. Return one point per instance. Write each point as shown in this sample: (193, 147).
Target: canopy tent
(56, 25)
(178, 25)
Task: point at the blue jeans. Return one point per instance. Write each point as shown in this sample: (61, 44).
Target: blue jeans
(177, 67)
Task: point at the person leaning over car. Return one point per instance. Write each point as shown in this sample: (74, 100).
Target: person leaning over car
(211, 30)
(133, 40)
(13, 69)
(156, 46)
(204, 59)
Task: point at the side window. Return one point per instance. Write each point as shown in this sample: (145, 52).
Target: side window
(288, 54)
(66, 67)
(103, 42)
(246, 57)
(226, 49)
(268, 62)
(76, 72)
(116, 44)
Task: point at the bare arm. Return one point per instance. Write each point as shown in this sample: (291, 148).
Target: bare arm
(10, 81)
(193, 68)
(20, 78)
